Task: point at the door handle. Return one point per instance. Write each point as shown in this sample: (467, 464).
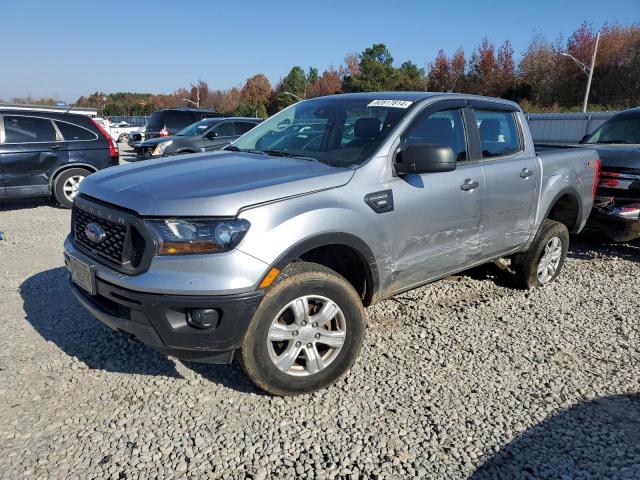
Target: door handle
(525, 173)
(55, 147)
(469, 185)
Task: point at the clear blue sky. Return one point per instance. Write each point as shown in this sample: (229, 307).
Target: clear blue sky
(66, 48)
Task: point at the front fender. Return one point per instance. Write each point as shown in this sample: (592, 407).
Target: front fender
(282, 231)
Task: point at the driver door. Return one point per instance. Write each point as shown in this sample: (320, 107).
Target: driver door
(437, 214)
(219, 136)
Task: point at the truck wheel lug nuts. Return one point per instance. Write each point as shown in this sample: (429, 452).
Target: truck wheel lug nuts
(298, 344)
(317, 335)
(315, 324)
(309, 345)
(295, 333)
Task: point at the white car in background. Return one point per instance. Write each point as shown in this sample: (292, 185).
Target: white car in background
(118, 131)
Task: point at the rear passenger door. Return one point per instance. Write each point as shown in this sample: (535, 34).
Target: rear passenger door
(512, 178)
(32, 150)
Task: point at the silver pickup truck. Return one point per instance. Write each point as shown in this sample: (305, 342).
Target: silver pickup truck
(271, 249)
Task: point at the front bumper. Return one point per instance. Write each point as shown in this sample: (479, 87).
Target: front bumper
(205, 275)
(160, 321)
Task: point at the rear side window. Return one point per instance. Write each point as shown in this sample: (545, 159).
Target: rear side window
(72, 132)
(156, 121)
(224, 129)
(440, 128)
(179, 120)
(19, 129)
(499, 133)
(243, 127)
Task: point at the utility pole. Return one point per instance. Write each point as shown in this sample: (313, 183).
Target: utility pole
(593, 64)
(587, 70)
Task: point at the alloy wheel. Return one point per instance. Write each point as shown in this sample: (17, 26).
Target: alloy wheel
(306, 336)
(71, 185)
(550, 260)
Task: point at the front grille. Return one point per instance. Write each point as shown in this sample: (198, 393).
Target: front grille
(114, 308)
(145, 152)
(126, 245)
(112, 247)
(137, 247)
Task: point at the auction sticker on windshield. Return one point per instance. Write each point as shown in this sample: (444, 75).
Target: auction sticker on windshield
(390, 103)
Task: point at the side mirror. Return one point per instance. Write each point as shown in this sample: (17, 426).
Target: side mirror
(211, 135)
(425, 158)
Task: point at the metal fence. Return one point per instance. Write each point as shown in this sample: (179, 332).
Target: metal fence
(564, 127)
(134, 121)
(545, 127)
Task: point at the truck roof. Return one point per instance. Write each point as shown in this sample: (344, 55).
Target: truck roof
(418, 96)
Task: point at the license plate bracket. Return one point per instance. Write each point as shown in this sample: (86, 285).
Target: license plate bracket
(82, 274)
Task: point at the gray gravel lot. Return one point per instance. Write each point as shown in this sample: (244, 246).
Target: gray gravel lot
(463, 378)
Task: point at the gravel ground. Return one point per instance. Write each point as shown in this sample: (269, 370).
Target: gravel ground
(465, 378)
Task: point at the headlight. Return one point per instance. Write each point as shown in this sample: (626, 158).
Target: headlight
(183, 237)
(161, 147)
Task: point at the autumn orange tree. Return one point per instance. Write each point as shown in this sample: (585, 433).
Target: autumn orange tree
(543, 79)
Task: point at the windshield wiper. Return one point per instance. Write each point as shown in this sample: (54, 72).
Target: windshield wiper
(280, 153)
(276, 153)
(233, 148)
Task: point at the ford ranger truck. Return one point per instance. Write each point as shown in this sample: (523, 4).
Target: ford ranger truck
(271, 249)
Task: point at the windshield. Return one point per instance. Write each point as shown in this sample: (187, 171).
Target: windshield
(335, 130)
(624, 129)
(195, 128)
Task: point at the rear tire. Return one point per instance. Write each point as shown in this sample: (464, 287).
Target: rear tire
(306, 333)
(65, 185)
(542, 263)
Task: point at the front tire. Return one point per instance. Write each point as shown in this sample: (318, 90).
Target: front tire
(542, 263)
(306, 333)
(65, 185)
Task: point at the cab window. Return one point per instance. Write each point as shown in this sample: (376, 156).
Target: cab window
(445, 127)
(499, 134)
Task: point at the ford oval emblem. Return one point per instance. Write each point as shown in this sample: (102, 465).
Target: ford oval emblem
(95, 232)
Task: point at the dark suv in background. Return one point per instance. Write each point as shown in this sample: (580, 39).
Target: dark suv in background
(203, 136)
(163, 123)
(45, 153)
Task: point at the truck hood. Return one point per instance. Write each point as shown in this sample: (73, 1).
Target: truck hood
(215, 184)
(618, 156)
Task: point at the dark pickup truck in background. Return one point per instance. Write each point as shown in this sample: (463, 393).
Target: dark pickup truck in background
(616, 210)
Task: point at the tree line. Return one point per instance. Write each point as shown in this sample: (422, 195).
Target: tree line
(545, 79)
